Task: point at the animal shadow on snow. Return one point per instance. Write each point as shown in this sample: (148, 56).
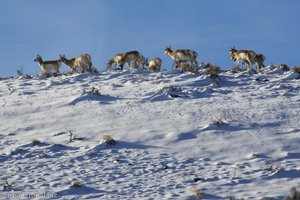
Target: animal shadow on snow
(103, 99)
(210, 196)
(52, 147)
(292, 156)
(41, 150)
(186, 136)
(289, 174)
(125, 145)
(3, 158)
(234, 126)
(171, 93)
(96, 151)
(82, 190)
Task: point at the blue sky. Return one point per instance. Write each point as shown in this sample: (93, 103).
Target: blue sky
(104, 28)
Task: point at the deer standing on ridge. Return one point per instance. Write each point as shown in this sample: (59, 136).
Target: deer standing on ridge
(182, 54)
(154, 65)
(132, 58)
(82, 62)
(247, 56)
(48, 66)
(115, 59)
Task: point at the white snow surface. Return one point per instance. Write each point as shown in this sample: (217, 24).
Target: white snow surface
(179, 135)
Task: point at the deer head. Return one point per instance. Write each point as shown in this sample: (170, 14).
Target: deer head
(168, 50)
(62, 57)
(38, 58)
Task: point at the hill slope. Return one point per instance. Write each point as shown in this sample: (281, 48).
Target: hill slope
(179, 135)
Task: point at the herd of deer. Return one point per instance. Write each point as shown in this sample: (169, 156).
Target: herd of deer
(184, 59)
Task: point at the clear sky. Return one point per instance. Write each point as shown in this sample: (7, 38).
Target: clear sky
(104, 28)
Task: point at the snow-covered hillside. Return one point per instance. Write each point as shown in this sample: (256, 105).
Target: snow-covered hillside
(179, 135)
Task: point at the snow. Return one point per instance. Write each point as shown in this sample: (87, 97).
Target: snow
(178, 135)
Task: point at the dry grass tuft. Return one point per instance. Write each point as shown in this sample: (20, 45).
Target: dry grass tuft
(198, 192)
(76, 185)
(296, 69)
(283, 66)
(108, 140)
(35, 141)
(295, 195)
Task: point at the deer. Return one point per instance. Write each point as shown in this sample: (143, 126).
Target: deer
(185, 66)
(259, 61)
(154, 65)
(48, 66)
(70, 63)
(134, 57)
(247, 56)
(182, 64)
(131, 58)
(182, 54)
(82, 62)
(115, 59)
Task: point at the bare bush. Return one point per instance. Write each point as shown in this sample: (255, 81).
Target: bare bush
(224, 118)
(7, 185)
(273, 167)
(73, 135)
(10, 89)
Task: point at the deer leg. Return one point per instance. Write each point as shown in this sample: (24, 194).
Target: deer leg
(243, 66)
(196, 63)
(90, 66)
(250, 68)
(235, 64)
(82, 69)
(250, 62)
(174, 63)
(121, 66)
(257, 66)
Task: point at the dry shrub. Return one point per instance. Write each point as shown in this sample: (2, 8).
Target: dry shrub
(35, 141)
(192, 69)
(234, 70)
(198, 192)
(73, 135)
(296, 69)
(93, 91)
(295, 195)
(217, 122)
(283, 66)
(76, 185)
(274, 167)
(225, 117)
